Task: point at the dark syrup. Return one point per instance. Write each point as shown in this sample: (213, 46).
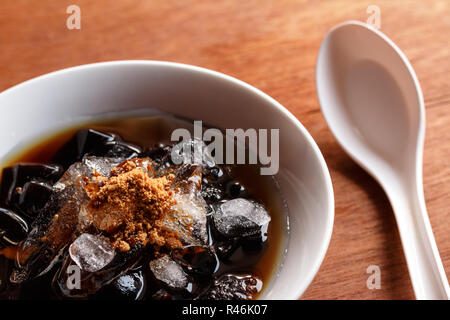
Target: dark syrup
(245, 257)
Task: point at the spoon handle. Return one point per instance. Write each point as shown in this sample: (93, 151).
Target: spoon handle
(422, 256)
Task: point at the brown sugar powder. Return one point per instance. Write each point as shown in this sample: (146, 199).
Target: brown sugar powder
(130, 205)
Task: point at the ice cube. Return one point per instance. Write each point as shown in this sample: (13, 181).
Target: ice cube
(188, 179)
(100, 165)
(63, 218)
(56, 225)
(169, 272)
(79, 174)
(66, 284)
(187, 218)
(91, 252)
(240, 217)
(194, 152)
(53, 229)
(86, 168)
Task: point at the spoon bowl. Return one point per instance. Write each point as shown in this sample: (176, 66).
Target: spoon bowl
(371, 95)
(373, 104)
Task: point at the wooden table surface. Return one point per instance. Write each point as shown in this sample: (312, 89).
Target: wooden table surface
(272, 45)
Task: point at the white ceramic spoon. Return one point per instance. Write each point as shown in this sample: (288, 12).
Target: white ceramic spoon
(373, 104)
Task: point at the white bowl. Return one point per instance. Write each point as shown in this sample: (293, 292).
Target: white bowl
(51, 101)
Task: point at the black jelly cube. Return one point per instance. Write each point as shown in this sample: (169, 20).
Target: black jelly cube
(196, 259)
(94, 143)
(16, 176)
(34, 196)
(159, 153)
(121, 149)
(226, 248)
(233, 287)
(84, 142)
(6, 266)
(7, 183)
(13, 228)
(235, 190)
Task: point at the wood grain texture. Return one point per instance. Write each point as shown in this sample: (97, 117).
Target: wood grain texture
(273, 46)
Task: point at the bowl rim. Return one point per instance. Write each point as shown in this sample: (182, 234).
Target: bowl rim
(275, 104)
